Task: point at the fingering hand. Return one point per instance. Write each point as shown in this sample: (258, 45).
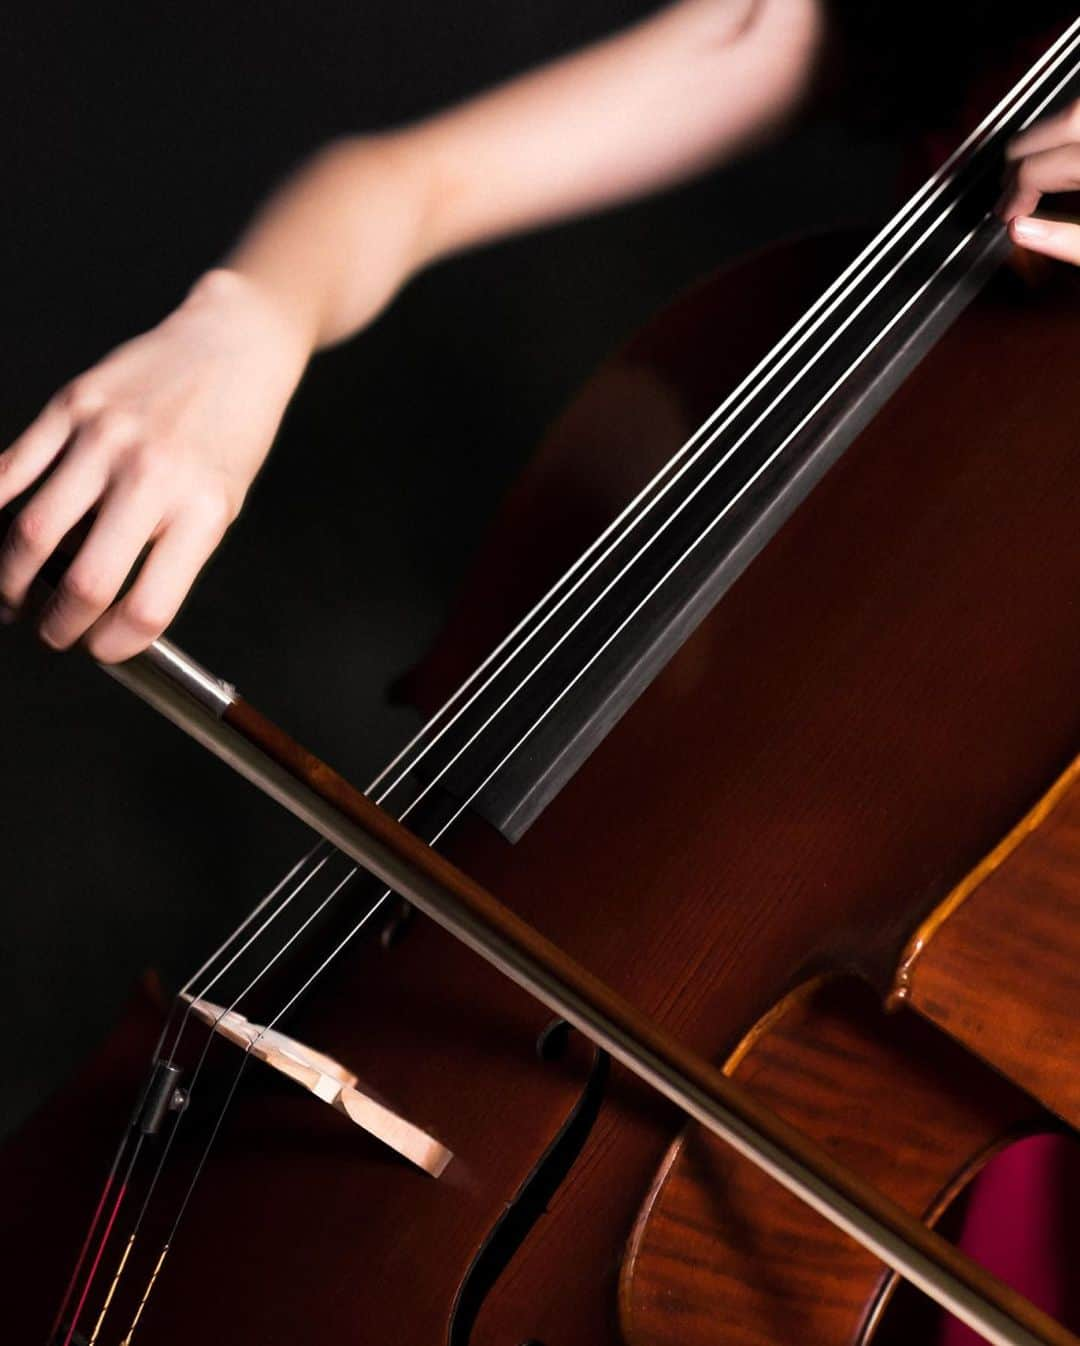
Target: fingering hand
(1044, 158)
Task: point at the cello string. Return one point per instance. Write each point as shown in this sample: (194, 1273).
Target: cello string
(612, 636)
(130, 1135)
(912, 300)
(114, 1211)
(1032, 114)
(80, 1261)
(1068, 40)
(932, 190)
(670, 571)
(319, 908)
(716, 467)
(219, 1119)
(470, 799)
(160, 1166)
(174, 1131)
(315, 850)
(685, 503)
(267, 1028)
(178, 999)
(776, 452)
(255, 935)
(724, 458)
(320, 969)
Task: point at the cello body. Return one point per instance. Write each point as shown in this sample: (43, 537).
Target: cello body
(888, 689)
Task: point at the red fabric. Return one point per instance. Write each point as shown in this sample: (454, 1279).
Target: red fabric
(1023, 1224)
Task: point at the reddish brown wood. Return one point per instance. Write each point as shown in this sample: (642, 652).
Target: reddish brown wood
(869, 699)
(646, 1037)
(999, 966)
(885, 691)
(296, 1199)
(717, 1256)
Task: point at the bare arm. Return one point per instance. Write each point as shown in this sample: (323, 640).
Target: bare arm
(651, 106)
(161, 440)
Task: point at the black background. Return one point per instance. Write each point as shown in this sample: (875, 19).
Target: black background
(136, 140)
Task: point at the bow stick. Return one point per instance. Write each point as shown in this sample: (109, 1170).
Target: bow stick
(211, 712)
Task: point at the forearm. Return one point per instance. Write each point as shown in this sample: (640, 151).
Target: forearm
(334, 243)
(654, 104)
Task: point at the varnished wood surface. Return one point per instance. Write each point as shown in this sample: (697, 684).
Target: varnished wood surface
(866, 714)
(885, 691)
(457, 901)
(302, 1225)
(716, 1256)
(1001, 972)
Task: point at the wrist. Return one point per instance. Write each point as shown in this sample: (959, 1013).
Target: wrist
(231, 293)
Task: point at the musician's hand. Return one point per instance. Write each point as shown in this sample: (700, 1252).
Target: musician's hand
(158, 445)
(1044, 158)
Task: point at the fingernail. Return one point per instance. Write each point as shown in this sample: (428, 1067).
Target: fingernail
(1029, 230)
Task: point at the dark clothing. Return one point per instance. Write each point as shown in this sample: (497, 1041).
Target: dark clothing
(915, 64)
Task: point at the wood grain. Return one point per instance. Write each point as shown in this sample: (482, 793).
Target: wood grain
(883, 693)
(999, 969)
(718, 1255)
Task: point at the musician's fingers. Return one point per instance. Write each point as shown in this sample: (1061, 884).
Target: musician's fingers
(154, 599)
(52, 511)
(1053, 170)
(33, 451)
(1055, 238)
(1062, 128)
(128, 518)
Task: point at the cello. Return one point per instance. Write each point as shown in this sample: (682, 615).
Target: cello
(754, 766)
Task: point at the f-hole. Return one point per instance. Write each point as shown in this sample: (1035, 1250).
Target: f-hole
(532, 1197)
